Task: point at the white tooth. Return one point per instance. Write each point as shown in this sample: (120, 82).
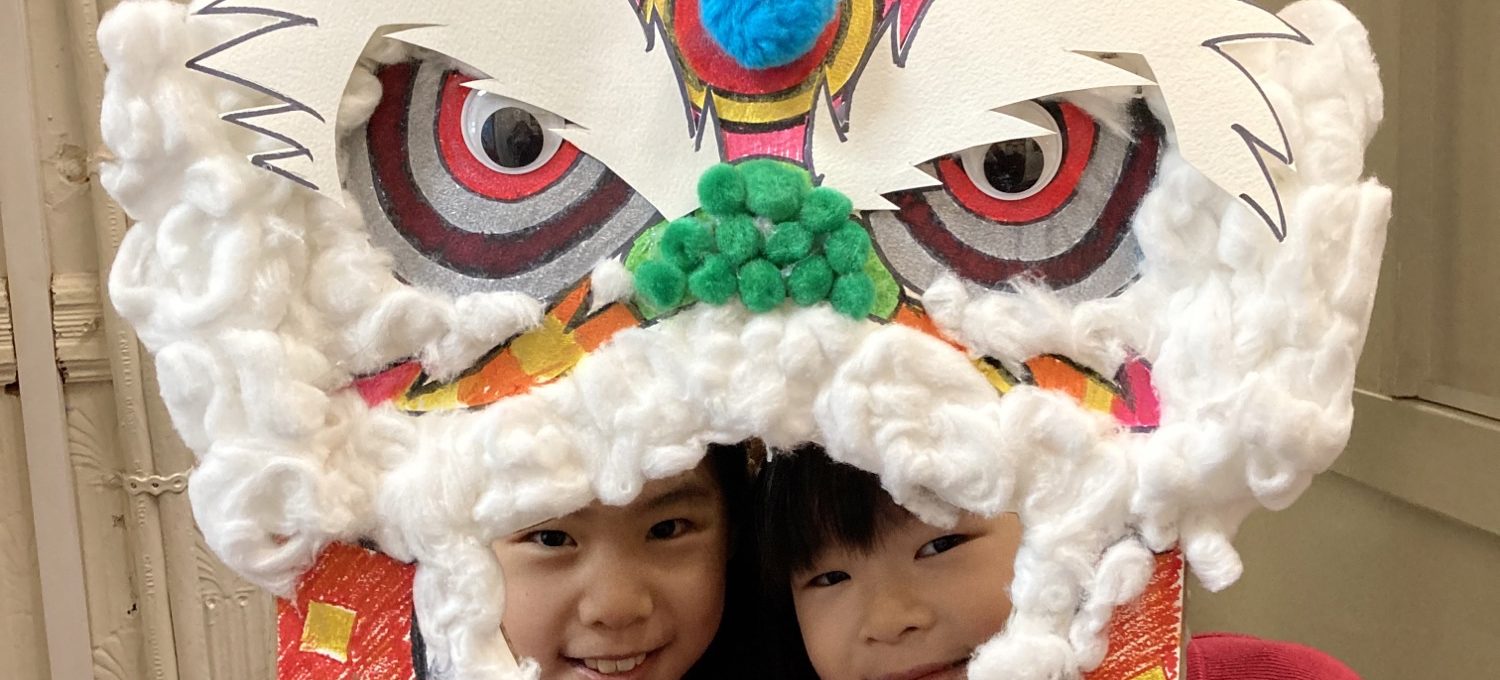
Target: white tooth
(606, 666)
(627, 664)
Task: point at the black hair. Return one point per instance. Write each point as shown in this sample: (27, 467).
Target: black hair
(806, 503)
(730, 655)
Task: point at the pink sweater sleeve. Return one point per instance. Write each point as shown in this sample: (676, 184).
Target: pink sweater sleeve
(1224, 656)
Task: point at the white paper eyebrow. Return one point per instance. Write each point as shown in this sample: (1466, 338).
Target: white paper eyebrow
(625, 109)
(926, 100)
(628, 110)
(937, 94)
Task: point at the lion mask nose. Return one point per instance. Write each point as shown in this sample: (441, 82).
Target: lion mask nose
(765, 234)
(762, 34)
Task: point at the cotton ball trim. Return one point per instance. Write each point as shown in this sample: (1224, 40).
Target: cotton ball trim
(610, 282)
(261, 302)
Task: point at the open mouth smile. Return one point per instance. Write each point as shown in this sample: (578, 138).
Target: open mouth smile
(617, 667)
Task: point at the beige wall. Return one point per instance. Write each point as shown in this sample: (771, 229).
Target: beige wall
(1395, 590)
(20, 594)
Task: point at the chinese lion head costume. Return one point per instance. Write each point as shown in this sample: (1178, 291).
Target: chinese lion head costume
(426, 273)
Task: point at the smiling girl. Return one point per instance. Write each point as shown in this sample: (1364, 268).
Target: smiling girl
(652, 590)
(635, 592)
(860, 589)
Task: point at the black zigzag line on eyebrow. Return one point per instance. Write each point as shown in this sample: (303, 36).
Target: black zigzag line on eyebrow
(900, 48)
(653, 25)
(288, 20)
(265, 161)
(290, 104)
(1258, 147)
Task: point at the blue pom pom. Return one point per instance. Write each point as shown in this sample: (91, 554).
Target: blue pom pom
(761, 34)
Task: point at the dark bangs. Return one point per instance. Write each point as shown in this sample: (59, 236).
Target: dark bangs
(807, 503)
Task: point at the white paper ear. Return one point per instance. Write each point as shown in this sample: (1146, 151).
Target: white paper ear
(940, 97)
(593, 63)
(302, 57)
(938, 94)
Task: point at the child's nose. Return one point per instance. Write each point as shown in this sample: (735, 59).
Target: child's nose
(616, 598)
(893, 614)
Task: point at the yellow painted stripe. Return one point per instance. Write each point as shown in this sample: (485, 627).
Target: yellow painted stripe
(993, 375)
(840, 70)
(1097, 397)
(444, 398)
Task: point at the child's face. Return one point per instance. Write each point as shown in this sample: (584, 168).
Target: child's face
(914, 607)
(626, 593)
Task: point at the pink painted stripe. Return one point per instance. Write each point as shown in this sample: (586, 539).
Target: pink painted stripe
(787, 144)
(386, 385)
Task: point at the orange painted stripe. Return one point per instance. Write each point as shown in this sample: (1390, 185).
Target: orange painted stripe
(913, 317)
(1145, 636)
(500, 378)
(1051, 373)
(603, 326)
(569, 305)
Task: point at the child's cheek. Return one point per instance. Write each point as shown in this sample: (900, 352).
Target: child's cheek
(536, 617)
(692, 584)
(977, 589)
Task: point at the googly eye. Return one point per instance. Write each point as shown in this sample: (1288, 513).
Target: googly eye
(1058, 209)
(470, 191)
(1017, 169)
(507, 136)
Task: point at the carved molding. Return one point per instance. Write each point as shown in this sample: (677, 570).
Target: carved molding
(7, 342)
(78, 328)
(156, 485)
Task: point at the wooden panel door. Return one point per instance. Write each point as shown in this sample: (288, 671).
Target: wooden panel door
(121, 586)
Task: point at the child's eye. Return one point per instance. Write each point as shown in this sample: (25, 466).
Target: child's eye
(942, 545)
(551, 538)
(828, 579)
(671, 528)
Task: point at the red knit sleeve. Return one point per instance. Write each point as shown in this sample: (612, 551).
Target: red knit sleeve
(1224, 656)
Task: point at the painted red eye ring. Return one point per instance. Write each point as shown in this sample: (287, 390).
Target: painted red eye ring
(1078, 131)
(475, 175)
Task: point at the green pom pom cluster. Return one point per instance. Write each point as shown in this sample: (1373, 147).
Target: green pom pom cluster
(814, 252)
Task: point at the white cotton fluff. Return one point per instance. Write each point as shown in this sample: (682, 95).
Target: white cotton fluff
(610, 282)
(261, 302)
(259, 299)
(645, 406)
(1253, 344)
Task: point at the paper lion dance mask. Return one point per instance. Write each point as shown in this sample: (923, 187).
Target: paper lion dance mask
(427, 273)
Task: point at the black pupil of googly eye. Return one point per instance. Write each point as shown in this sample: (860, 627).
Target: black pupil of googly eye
(512, 137)
(1014, 166)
